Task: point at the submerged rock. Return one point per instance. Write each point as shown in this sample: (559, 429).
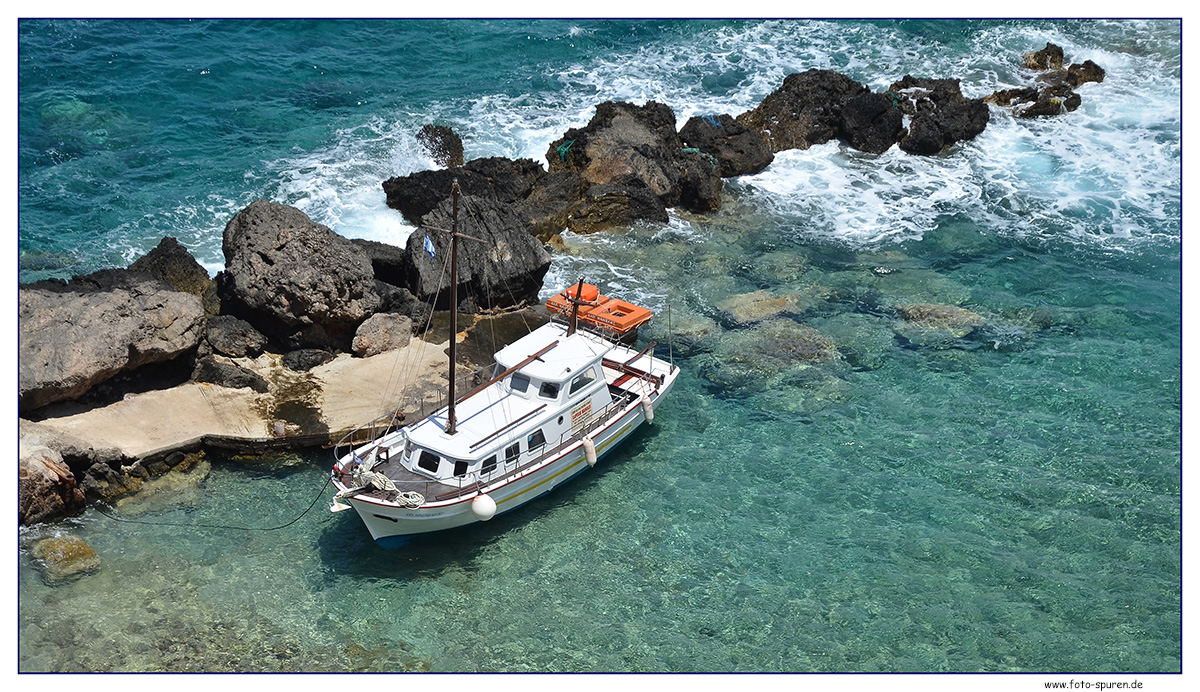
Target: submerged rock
(63, 558)
(751, 308)
(760, 357)
(936, 326)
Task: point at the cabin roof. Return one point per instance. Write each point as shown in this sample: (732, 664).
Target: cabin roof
(570, 356)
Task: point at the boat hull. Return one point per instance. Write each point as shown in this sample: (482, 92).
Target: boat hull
(391, 525)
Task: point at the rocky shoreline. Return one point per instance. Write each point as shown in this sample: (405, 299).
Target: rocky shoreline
(296, 301)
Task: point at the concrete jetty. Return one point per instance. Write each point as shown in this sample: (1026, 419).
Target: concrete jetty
(300, 409)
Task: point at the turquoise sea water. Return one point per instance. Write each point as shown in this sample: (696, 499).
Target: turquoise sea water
(1005, 501)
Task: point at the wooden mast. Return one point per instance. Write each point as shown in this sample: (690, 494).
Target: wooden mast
(451, 421)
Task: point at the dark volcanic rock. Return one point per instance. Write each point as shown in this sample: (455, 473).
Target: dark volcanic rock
(552, 201)
(737, 149)
(871, 122)
(805, 110)
(505, 269)
(1052, 92)
(443, 145)
(501, 179)
(307, 358)
(227, 375)
(234, 337)
(171, 262)
(73, 337)
(699, 181)
(940, 114)
(394, 299)
(1087, 72)
(624, 141)
(294, 279)
(387, 261)
(617, 204)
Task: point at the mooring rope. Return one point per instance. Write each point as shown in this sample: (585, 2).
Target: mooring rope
(196, 525)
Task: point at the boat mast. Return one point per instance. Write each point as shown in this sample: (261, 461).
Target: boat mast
(451, 421)
(575, 303)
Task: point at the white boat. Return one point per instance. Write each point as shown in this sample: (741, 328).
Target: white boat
(555, 403)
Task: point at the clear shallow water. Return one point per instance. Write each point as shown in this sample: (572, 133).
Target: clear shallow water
(1005, 502)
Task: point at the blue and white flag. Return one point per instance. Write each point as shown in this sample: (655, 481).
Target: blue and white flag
(429, 246)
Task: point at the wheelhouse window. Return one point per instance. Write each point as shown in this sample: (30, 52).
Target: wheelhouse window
(518, 382)
(584, 379)
(429, 461)
(513, 451)
(489, 464)
(537, 439)
(549, 390)
(460, 468)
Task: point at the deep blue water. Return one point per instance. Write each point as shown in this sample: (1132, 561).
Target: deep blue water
(1005, 501)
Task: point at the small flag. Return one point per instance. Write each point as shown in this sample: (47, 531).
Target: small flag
(429, 246)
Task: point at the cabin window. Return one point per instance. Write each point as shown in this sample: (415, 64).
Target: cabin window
(519, 382)
(460, 468)
(587, 377)
(489, 464)
(537, 439)
(513, 451)
(549, 390)
(429, 461)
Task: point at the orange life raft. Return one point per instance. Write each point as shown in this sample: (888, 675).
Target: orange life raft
(598, 312)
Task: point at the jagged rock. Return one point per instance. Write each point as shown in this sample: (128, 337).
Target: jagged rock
(940, 114)
(307, 358)
(805, 110)
(1048, 58)
(394, 299)
(46, 488)
(624, 141)
(75, 336)
(63, 558)
(552, 201)
(228, 375)
(387, 261)
(496, 178)
(505, 269)
(871, 122)
(616, 204)
(699, 181)
(234, 337)
(294, 279)
(737, 149)
(1086, 72)
(443, 145)
(381, 333)
(171, 262)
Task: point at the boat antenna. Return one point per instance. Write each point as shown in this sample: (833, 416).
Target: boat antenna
(451, 421)
(575, 303)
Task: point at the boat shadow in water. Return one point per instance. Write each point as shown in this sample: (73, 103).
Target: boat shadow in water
(347, 550)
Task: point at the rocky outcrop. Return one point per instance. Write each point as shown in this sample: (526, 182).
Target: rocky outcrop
(738, 150)
(805, 110)
(46, 489)
(233, 337)
(617, 204)
(171, 263)
(507, 181)
(1053, 89)
(75, 336)
(552, 203)
(380, 333)
(505, 269)
(871, 122)
(624, 141)
(294, 279)
(939, 114)
(442, 145)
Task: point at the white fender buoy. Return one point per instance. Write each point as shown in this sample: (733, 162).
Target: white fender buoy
(483, 507)
(648, 409)
(589, 451)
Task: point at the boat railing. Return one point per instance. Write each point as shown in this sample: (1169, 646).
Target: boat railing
(452, 488)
